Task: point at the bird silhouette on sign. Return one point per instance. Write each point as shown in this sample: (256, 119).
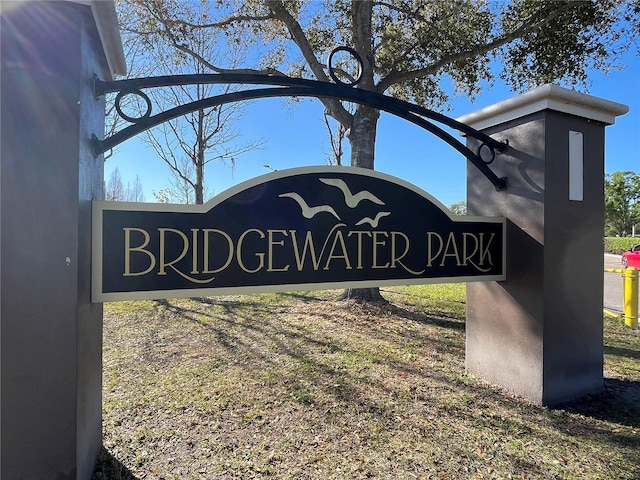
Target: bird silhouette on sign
(373, 221)
(307, 211)
(352, 200)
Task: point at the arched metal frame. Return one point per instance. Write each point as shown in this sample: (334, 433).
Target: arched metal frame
(288, 87)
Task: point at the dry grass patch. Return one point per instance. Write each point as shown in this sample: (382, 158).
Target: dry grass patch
(299, 386)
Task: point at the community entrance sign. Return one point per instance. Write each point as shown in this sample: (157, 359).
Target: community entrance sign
(537, 333)
(316, 227)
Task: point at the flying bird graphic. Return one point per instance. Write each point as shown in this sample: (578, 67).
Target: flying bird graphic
(373, 222)
(307, 211)
(349, 198)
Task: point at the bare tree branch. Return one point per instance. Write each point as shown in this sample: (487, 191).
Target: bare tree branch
(280, 13)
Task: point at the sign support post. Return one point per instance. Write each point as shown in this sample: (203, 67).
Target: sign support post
(539, 334)
(51, 333)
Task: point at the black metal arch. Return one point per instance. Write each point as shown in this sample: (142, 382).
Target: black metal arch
(287, 87)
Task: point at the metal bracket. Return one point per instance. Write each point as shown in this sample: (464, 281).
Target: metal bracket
(282, 86)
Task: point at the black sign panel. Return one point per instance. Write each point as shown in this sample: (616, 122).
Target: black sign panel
(307, 228)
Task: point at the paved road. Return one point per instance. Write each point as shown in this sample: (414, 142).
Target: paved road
(613, 299)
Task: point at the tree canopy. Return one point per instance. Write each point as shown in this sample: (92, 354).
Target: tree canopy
(417, 50)
(622, 203)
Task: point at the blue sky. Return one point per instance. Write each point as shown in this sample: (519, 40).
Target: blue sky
(296, 136)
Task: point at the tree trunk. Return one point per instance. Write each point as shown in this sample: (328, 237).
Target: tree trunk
(363, 295)
(199, 190)
(201, 148)
(362, 138)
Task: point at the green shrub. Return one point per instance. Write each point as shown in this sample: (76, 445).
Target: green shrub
(619, 245)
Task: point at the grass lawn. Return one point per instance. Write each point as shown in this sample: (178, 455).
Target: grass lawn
(300, 386)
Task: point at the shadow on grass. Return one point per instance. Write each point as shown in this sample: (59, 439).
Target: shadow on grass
(619, 403)
(438, 319)
(325, 370)
(109, 468)
(622, 352)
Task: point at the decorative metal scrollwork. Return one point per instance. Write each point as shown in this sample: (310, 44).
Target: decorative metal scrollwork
(282, 86)
(359, 67)
(487, 153)
(134, 91)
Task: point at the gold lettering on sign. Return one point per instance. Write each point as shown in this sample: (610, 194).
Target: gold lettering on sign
(359, 234)
(430, 255)
(259, 255)
(381, 243)
(467, 257)
(484, 252)
(475, 251)
(395, 259)
(451, 250)
(140, 248)
(339, 238)
(194, 253)
(308, 246)
(210, 251)
(185, 249)
(271, 243)
(206, 267)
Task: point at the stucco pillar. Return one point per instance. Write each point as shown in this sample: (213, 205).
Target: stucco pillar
(50, 333)
(539, 334)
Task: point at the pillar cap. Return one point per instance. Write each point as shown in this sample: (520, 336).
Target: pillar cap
(546, 97)
(106, 18)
